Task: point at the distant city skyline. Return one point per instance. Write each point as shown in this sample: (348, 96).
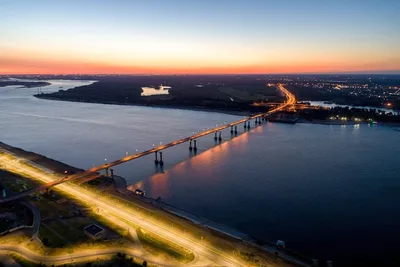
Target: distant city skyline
(199, 37)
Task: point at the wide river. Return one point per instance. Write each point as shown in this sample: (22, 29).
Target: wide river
(329, 191)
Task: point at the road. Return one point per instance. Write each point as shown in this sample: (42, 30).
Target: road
(36, 218)
(290, 100)
(201, 248)
(76, 257)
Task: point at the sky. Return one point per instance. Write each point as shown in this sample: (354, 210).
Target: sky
(199, 37)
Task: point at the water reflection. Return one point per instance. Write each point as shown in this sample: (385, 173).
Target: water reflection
(205, 161)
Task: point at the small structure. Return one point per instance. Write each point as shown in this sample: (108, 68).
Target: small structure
(140, 192)
(3, 193)
(280, 244)
(94, 231)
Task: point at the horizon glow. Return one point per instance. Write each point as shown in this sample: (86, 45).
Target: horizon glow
(199, 37)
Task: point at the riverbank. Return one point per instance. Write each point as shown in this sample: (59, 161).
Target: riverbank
(213, 110)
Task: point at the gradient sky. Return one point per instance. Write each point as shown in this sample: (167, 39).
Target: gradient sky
(199, 36)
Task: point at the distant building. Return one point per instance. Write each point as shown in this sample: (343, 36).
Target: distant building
(94, 231)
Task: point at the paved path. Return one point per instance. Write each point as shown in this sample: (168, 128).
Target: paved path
(36, 218)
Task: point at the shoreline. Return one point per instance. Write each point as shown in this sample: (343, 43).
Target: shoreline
(221, 111)
(196, 108)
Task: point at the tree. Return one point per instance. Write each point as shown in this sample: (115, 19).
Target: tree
(144, 263)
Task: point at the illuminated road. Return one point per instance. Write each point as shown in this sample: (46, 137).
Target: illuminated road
(290, 100)
(123, 213)
(91, 254)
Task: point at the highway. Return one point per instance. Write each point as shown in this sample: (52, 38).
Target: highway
(123, 213)
(290, 100)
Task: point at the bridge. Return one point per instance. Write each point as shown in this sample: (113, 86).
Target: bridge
(290, 100)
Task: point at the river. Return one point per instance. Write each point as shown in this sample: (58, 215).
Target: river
(329, 191)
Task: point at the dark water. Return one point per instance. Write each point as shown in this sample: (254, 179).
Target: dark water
(328, 191)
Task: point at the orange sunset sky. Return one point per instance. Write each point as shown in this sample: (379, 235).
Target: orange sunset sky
(178, 37)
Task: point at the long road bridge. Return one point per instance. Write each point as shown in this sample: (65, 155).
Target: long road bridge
(290, 100)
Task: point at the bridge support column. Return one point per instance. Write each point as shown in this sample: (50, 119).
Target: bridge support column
(215, 137)
(107, 172)
(220, 137)
(156, 159)
(245, 125)
(190, 145)
(259, 121)
(231, 129)
(161, 161)
(236, 129)
(248, 124)
(112, 173)
(195, 145)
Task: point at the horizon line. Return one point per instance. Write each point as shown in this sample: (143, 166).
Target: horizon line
(394, 72)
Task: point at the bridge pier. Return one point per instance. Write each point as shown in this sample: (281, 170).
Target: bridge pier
(236, 129)
(161, 161)
(220, 137)
(107, 172)
(190, 145)
(245, 125)
(195, 145)
(156, 159)
(215, 137)
(231, 129)
(248, 124)
(112, 173)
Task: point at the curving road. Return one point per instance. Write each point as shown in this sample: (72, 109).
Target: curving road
(36, 218)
